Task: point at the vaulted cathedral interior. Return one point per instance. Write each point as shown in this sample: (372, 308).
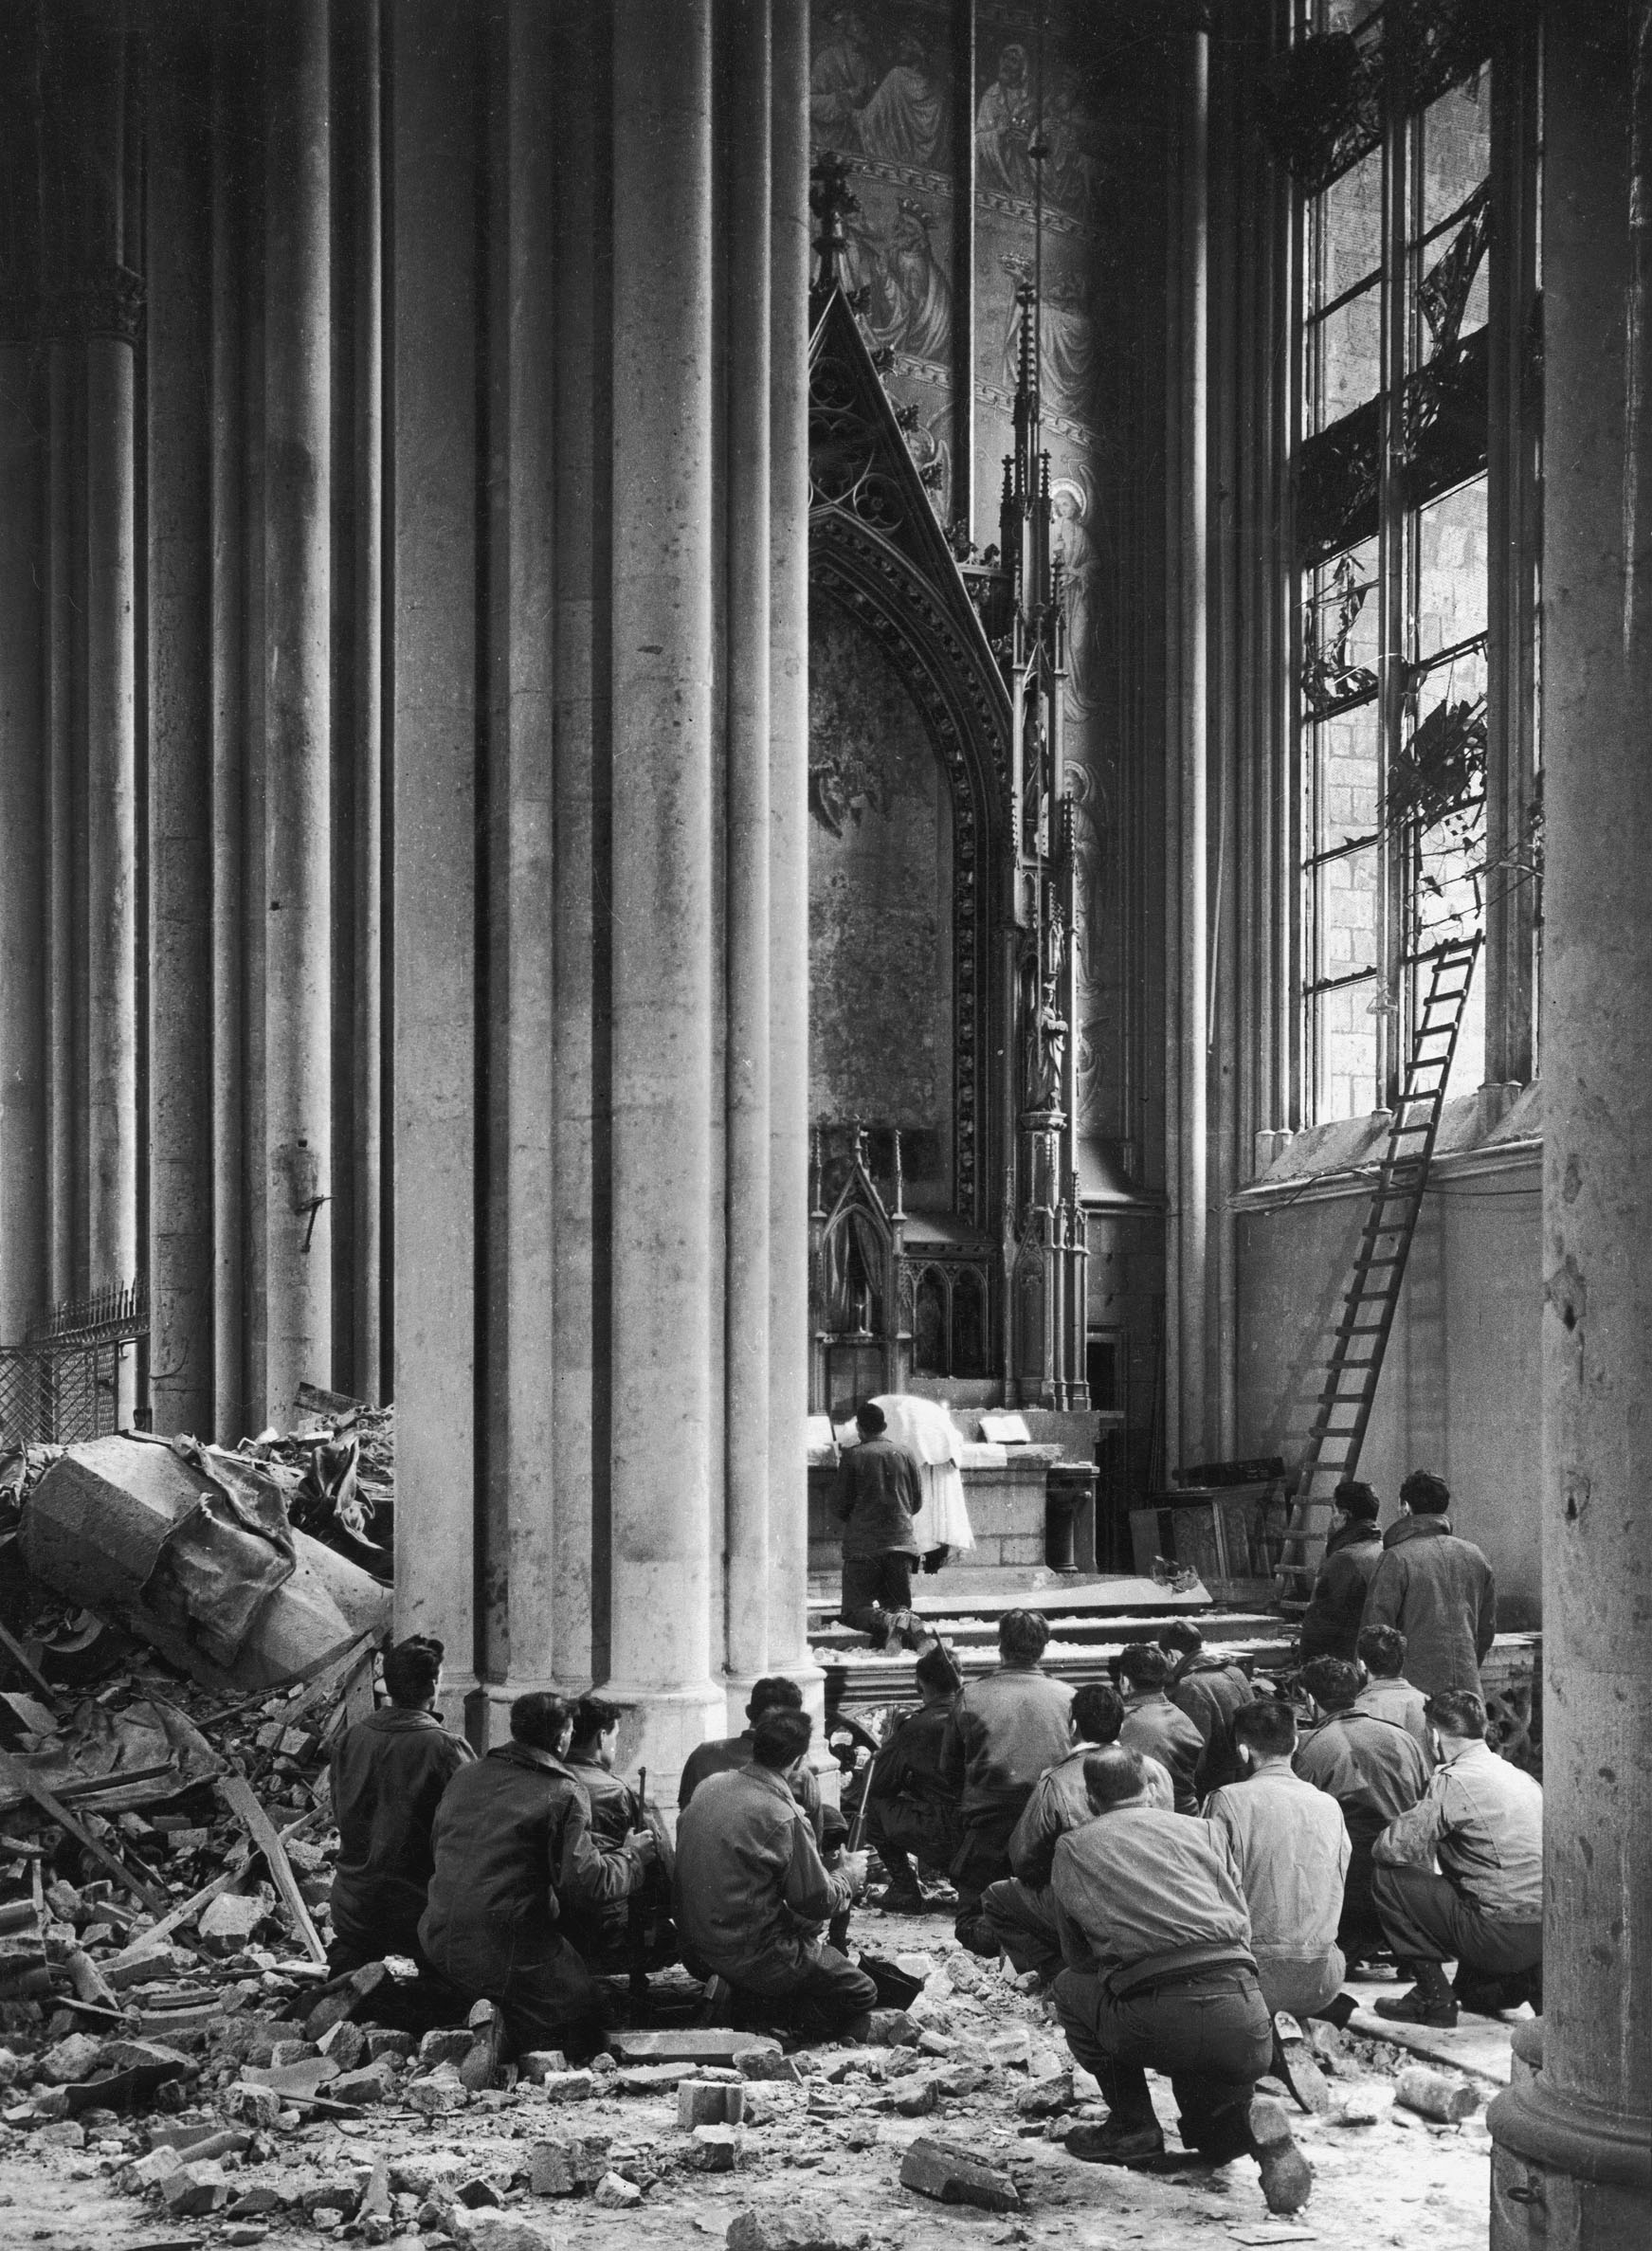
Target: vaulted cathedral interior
(712, 709)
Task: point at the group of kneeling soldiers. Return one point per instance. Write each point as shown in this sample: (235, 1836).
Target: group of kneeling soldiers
(1176, 1857)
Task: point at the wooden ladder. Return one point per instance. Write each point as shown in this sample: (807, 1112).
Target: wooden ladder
(1360, 1336)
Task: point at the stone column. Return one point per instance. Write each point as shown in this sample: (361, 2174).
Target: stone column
(111, 808)
(789, 860)
(1572, 2157)
(579, 830)
(746, 29)
(177, 397)
(1187, 791)
(432, 566)
(665, 1360)
(297, 655)
(24, 1268)
(521, 1171)
(229, 735)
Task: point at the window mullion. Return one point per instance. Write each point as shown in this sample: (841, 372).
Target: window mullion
(1393, 567)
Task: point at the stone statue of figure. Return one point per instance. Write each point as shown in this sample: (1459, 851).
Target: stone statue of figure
(854, 1301)
(1052, 1029)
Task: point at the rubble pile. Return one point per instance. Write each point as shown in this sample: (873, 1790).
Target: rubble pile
(225, 2081)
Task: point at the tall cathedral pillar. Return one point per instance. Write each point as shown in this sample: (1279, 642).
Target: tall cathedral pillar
(665, 1356)
(745, 29)
(88, 310)
(297, 871)
(1573, 2154)
(789, 856)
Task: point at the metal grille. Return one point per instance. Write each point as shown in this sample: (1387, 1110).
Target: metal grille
(63, 1385)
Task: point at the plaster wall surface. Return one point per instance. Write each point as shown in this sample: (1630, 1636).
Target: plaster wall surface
(1460, 1390)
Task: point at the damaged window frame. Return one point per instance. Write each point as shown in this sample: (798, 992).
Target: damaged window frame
(1443, 840)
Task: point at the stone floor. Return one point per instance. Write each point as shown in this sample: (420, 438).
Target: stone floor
(835, 2140)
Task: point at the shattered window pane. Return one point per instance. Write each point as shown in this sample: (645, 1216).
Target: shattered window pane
(1347, 768)
(1456, 137)
(1452, 575)
(1340, 631)
(1343, 1028)
(1345, 359)
(1346, 227)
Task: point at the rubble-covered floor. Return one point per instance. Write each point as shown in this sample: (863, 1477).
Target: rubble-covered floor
(834, 2138)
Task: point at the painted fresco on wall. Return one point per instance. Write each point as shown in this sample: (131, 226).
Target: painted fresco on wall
(884, 94)
(1090, 147)
(879, 905)
(881, 93)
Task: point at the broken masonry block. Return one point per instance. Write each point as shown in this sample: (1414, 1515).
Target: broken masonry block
(1436, 2095)
(345, 1998)
(345, 2043)
(370, 2084)
(447, 2043)
(437, 2094)
(195, 2190)
(149, 2171)
(65, 2133)
(709, 2102)
(259, 2107)
(614, 2193)
(228, 1921)
(930, 2043)
(1045, 2099)
(710, 2044)
(916, 2099)
(892, 2028)
(715, 2149)
(75, 2058)
(802, 2226)
(383, 2044)
(768, 2063)
(1010, 2051)
(953, 2176)
(567, 2086)
(537, 2063)
(550, 2171)
(504, 2231)
(479, 2193)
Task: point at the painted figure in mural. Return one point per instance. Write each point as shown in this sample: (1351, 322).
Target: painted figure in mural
(1004, 125)
(1087, 796)
(905, 121)
(841, 79)
(1074, 550)
(1069, 358)
(918, 303)
(1072, 171)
